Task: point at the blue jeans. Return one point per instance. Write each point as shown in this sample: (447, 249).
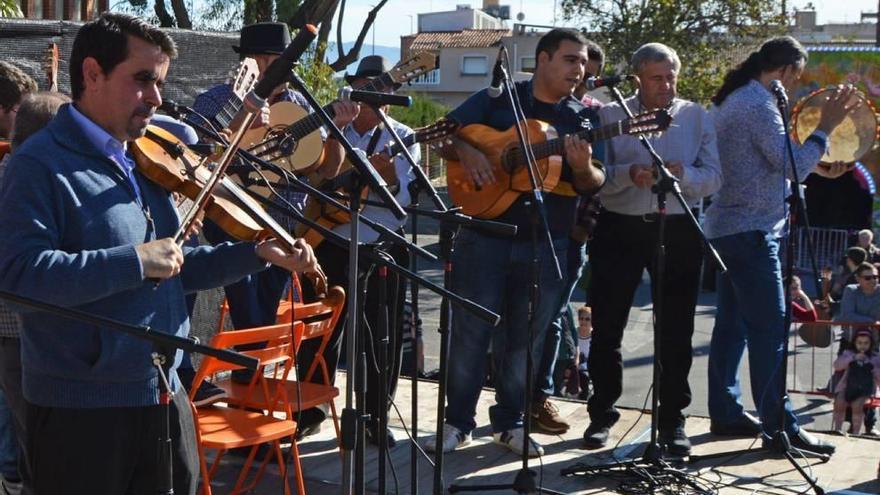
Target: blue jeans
(751, 310)
(577, 256)
(496, 274)
(8, 442)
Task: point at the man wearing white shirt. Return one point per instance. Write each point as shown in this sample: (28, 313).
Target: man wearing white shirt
(626, 240)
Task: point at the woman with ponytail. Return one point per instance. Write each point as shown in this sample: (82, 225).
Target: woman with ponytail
(745, 223)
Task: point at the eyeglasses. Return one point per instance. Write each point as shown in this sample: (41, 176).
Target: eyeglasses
(869, 277)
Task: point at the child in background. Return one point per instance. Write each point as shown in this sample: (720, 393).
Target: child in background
(861, 376)
(585, 333)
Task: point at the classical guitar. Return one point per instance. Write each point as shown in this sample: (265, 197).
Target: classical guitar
(246, 77)
(329, 216)
(505, 155)
(291, 140)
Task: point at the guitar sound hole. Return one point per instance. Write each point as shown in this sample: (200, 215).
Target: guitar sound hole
(288, 146)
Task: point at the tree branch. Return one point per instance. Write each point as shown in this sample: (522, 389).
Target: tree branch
(344, 60)
(182, 15)
(165, 19)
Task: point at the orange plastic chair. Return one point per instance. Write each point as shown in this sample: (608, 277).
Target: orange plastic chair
(295, 287)
(316, 320)
(222, 428)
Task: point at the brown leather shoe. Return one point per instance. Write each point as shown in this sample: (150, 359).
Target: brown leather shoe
(545, 417)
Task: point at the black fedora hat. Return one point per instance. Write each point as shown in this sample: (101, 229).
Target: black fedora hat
(369, 67)
(263, 38)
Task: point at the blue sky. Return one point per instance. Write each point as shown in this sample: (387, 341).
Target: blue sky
(398, 16)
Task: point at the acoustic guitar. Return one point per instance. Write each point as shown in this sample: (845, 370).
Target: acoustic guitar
(508, 160)
(329, 216)
(291, 140)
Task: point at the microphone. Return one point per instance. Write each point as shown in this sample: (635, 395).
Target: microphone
(599, 82)
(280, 68)
(172, 109)
(373, 98)
(778, 90)
(494, 89)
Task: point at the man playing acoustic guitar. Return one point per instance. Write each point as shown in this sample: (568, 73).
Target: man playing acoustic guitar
(496, 272)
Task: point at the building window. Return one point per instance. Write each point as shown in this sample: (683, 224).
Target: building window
(527, 64)
(474, 65)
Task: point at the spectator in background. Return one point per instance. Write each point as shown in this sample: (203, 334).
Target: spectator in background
(860, 366)
(15, 86)
(802, 308)
(861, 301)
(854, 257)
(866, 242)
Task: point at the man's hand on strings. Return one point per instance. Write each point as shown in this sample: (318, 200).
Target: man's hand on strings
(578, 153)
(300, 258)
(345, 112)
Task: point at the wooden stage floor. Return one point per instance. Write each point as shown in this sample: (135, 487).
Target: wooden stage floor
(852, 470)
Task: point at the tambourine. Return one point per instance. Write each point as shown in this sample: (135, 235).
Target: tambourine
(850, 140)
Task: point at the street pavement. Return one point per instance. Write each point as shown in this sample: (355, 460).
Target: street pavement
(813, 410)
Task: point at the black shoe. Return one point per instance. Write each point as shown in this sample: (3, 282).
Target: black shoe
(373, 436)
(746, 426)
(309, 422)
(242, 377)
(208, 393)
(596, 435)
(303, 431)
(806, 441)
(675, 440)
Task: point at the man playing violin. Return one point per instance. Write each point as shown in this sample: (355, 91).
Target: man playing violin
(367, 133)
(625, 244)
(88, 232)
(496, 272)
(253, 300)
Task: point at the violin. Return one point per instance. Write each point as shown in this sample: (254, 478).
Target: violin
(165, 160)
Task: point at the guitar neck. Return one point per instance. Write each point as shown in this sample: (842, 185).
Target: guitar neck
(557, 146)
(309, 124)
(228, 112)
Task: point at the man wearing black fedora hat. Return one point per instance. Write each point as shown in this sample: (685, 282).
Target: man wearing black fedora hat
(253, 301)
(367, 133)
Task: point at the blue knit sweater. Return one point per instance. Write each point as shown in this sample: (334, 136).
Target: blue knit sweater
(70, 224)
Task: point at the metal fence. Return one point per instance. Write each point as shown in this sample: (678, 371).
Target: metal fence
(829, 246)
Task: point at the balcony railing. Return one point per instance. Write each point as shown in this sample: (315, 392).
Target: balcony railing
(431, 78)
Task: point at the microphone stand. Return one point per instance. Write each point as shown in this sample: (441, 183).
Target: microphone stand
(666, 184)
(524, 482)
(421, 183)
(162, 358)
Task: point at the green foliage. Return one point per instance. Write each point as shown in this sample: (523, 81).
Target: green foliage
(9, 8)
(424, 111)
(710, 36)
(318, 77)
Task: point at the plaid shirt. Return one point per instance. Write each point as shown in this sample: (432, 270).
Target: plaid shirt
(212, 101)
(10, 325)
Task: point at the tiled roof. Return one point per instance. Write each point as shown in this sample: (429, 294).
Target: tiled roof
(468, 38)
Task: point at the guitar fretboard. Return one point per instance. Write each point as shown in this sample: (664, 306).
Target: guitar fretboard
(515, 158)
